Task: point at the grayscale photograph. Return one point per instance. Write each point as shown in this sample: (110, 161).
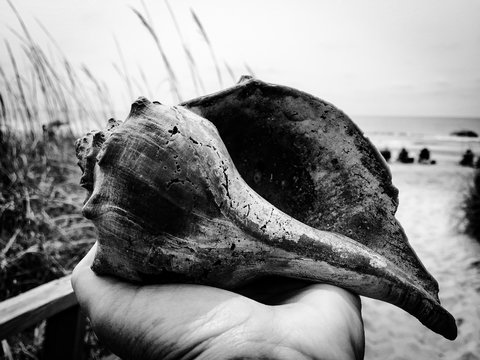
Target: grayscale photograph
(220, 180)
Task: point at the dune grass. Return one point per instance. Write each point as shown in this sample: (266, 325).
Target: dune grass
(42, 107)
(471, 208)
(42, 232)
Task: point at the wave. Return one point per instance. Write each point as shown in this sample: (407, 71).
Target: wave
(422, 136)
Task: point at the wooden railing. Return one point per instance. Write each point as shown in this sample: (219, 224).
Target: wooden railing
(54, 302)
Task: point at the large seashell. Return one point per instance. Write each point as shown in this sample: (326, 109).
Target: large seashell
(170, 205)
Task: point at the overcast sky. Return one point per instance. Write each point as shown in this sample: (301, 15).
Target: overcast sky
(375, 57)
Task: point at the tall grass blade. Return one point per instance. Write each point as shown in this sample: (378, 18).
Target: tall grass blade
(249, 69)
(147, 13)
(51, 38)
(28, 121)
(207, 40)
(195, 74)
(46, 86)
(126, 77)
(108, 99)
(166, 62)
(78, 96)
(55, 84)
(20, 20)
(145, 82)
(33, 94)
(3, 123)
(230, 72)
(83, 99)
(2, 107)
(120, 73)
(101, 95)
(11, 101)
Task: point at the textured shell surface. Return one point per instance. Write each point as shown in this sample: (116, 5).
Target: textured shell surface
(255, 180)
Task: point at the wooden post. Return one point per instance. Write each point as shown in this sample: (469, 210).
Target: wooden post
(64, 335)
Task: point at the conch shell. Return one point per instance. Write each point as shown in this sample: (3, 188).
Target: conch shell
(306, 196)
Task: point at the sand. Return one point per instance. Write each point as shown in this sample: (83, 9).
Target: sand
(430, 199)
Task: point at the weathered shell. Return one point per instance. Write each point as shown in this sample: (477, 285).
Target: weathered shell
(170, 205)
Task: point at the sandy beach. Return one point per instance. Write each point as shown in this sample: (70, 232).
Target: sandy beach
(429, 210)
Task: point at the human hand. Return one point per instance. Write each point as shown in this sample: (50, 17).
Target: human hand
(183, 321)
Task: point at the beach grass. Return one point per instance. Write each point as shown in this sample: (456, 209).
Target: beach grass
(43, 234)
(471, 207)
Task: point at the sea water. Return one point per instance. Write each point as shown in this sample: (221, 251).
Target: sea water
(415, 133)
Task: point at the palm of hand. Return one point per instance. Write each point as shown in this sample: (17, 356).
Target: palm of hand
(201, 322)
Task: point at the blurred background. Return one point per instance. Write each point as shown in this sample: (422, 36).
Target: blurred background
(407, 72)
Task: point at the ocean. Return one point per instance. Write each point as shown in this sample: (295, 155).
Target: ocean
(415, 133)
(394, 133)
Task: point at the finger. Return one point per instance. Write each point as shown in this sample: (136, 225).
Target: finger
(88, 258)
(80, 274)
(271, 290)
(334, 313)
(325, 294)
(89, 287)
(82, 279)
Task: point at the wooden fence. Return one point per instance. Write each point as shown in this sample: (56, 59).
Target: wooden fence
(54, 302)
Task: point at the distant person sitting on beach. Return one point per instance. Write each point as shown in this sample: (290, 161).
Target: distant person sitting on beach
(387, 154)
(404, 158)
(467, 159)
(424, 157)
